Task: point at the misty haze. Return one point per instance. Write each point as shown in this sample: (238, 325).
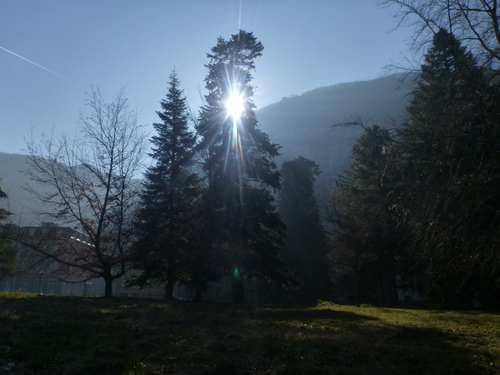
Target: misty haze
(237, 187)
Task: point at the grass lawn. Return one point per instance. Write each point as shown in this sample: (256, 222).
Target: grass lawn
(75, 335)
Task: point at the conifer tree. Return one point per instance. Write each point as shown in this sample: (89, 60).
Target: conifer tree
(351, 256)
(243, 229)
(168, 198)
(305, 252)
(8, 261)
(365, 234)
(450, 166)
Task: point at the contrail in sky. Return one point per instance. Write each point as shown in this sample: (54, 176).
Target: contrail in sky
(34, 63)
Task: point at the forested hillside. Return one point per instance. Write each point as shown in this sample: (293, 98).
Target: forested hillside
(302, 124)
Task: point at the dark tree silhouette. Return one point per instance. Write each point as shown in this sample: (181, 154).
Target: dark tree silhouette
(8, 260)
(450, 157)
(365, 235)
(242, 228)
(168, 199)
(92, 188)
(474, 23)
(305, 251)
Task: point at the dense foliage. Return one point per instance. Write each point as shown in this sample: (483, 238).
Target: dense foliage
(364, 234)
(168, 198)
(8, 260)
(242, 228)
(427, 193)
(306, 248)
(418, 210)
(451, 150)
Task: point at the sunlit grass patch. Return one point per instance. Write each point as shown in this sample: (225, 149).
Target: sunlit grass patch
(16, 295)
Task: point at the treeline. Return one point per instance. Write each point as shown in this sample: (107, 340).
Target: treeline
(419, 207)
(418, 211)
(206, 209)
(208, 205)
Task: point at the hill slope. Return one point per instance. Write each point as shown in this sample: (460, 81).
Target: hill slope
(302, 124)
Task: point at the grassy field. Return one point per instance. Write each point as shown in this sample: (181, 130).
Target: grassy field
(75, 335)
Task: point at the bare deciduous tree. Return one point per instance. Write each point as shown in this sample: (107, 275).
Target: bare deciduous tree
(92, 184)
(475, 23)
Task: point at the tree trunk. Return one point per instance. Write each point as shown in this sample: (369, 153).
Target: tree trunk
(108, 280)
(237, 286)
(198, 292)
(169, 290)
(108, 289)
(385, 292)
(487, 294)
(394, 289)
(356, 287)
(389, 285)
(237, 290)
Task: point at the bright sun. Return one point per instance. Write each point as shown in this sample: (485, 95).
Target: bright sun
(235, 106)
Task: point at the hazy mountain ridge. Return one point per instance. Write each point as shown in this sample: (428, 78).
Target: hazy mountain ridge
(300, 124)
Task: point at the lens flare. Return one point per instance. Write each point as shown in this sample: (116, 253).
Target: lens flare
(235, 119)
(235, 105)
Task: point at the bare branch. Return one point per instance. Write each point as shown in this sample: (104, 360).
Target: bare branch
(91, 181)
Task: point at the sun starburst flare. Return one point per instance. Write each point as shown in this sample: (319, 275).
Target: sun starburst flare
(235, 105)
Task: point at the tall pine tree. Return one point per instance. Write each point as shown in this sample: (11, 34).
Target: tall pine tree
(242, 228)
(305, 252)
(450, 162)
(365, 234)
(168, 200)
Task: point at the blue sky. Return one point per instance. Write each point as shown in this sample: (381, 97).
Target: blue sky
(116, 43)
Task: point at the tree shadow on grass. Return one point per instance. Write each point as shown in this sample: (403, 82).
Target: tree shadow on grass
(338, 342)
(56, 335)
